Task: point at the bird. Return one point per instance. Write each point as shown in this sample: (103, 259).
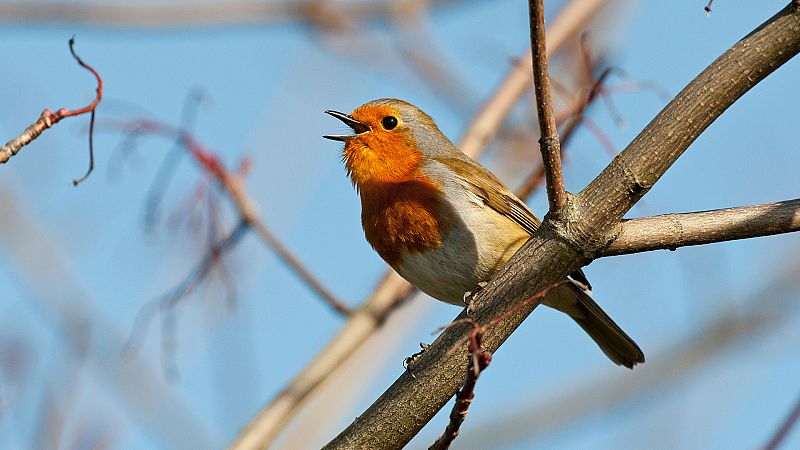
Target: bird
(444, 222)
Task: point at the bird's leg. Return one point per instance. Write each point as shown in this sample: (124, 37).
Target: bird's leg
(469, 295)
(409, 362)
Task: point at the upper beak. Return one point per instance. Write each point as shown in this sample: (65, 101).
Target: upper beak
(357, 126)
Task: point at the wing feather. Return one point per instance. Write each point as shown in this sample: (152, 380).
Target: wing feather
(492, 192)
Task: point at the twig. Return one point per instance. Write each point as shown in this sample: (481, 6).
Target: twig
(670, 231)
(49, 118)
(707, 8)
(392, 289)
(485, 124)
(198, 13)
(42, 262)
(166, 303)
(170, 162)
(576, 116)
(548, 142)
(233, 187)
(478, 361)
(786, 426)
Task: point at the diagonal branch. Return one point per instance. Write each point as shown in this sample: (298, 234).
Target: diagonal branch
(232, 185)
(671, 231)
(585, 226)
(549, 143)
(199, 13)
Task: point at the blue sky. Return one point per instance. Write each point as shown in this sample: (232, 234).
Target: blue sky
(267, 86)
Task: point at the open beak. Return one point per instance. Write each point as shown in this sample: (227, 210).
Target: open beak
(357, 126)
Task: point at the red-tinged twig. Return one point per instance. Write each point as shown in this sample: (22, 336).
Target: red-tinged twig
(576, 116)
(49, 118)
(548, 142)
(707, 8)
(169, 164)
(233, 187)
(601, 136)
(534, 298)
(780, 434)
(478, 362)
(167, 303)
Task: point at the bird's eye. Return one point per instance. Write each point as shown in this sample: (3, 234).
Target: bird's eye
(389, 122)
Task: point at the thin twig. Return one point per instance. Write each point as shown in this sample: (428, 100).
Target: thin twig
(707, 8)
(165, 304)
(786, 426)
(49, 118)
(576, 117)
(484, 125)
(169, 164)
(478, 361)
(233, 187)
(548, 142)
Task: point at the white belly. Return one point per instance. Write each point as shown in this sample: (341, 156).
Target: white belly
(475, 248)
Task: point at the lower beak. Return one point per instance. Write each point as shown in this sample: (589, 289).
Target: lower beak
(357, 126)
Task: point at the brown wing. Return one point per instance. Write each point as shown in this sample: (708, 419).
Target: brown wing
(493, 192)
(497, 196)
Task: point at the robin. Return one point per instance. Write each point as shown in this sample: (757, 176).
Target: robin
(444, 222)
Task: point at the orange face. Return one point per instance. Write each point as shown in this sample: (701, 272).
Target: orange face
(401, 209)
(386, 152)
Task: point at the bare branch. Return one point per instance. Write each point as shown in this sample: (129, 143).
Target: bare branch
(144, 396)
(233, 186)
(563, 244)
(670, 231)
(484, 125)
(49, 118)
(478, 362)
(576, 116)
(549, 143)
(199, 13)
(165, 304)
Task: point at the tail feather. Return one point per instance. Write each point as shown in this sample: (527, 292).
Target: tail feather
(575, 302)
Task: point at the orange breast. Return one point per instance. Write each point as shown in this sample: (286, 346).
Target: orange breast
(402, 217)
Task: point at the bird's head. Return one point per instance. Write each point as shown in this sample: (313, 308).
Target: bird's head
(390, 139)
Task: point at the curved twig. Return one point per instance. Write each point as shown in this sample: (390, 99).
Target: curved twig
(49, 118)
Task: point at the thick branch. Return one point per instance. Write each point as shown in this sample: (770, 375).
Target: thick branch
(549, 144)
(671, 231)
(565, 243)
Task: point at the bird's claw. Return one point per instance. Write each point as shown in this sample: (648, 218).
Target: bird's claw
(470, 295)
(409, 362)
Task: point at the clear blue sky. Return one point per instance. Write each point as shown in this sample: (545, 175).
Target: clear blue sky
(267, 86)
